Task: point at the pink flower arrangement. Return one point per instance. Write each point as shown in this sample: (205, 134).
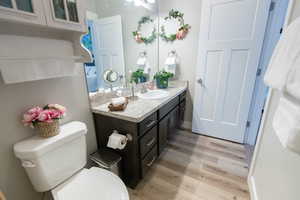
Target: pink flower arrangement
(47, 114)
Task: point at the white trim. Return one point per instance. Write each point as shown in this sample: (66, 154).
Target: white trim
(289, 13)
(261, 131)
(252, 189)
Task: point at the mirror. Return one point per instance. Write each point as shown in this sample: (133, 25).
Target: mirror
(110, 76)
(122, 38)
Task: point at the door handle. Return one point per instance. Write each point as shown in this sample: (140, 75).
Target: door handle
(151, 123)
(201, 82)
(151, 162)
(151, 142)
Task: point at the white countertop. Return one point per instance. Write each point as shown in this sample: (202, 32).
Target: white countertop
(138, 110)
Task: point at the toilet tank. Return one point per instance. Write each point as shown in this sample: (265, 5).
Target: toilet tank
(49, 162)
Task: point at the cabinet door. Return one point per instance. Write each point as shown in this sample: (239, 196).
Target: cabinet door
(163, 133)
(174, 119)
(181, 112)
(66, 14)
(24, 11)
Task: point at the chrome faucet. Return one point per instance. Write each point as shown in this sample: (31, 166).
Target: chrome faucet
(144, 88)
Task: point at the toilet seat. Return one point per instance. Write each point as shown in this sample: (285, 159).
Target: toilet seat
(92, 184)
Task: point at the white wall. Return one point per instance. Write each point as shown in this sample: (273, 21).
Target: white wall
(16, 98)
(275, 172)
(186, 49)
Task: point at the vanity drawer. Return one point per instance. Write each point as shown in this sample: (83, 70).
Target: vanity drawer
(182, 96)
(168, 107)
(148, 123)
(149, 160)
(148, 141)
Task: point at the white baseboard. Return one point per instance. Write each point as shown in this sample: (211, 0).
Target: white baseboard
(252, 188)
(187, 125)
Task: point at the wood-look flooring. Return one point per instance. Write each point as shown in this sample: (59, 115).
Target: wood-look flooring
(195, 167)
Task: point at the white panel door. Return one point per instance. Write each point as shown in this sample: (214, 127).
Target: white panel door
(231, 38)
(109, 53)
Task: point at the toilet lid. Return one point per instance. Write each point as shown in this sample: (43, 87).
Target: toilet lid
(92, 184)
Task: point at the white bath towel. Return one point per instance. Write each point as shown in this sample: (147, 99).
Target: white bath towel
(284, 58)
(292, 86)
(118, 101)
(284, 74)
(286, 124)
(142, 61)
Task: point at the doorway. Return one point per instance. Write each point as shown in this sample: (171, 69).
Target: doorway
(230, 93)
(230, 45)
(276, 20)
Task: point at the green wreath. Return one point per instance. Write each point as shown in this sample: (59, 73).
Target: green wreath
(182, 30)
(138, 36)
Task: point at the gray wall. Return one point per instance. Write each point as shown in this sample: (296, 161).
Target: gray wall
(16, 98)
(186, 49)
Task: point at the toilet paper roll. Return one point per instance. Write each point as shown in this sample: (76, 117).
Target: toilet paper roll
(117, 141)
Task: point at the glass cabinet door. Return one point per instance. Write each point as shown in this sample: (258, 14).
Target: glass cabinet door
(72, 10)
(67, 14)
(24, 5)
(59, 9)
(60, 6)
(6, 3)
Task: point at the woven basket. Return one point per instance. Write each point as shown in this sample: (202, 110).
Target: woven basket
(47, 130)
(118, 108)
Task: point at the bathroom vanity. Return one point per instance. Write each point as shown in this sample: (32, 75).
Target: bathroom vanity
(149, 122)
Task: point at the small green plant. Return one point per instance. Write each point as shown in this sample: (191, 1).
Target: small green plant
(163, 75)
(138, 76)
(162, 79)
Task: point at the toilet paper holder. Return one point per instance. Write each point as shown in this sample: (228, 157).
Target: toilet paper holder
(129, 137)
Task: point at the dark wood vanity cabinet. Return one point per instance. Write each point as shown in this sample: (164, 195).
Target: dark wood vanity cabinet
(149, 137)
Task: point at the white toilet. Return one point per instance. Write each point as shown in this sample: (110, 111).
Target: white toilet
(57, 164)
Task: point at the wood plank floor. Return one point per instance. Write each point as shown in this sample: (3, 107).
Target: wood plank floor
(196, 167)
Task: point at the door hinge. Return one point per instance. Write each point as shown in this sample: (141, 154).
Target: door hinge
(248, 124)
(258, 72)
(281, 30)
(272, 6)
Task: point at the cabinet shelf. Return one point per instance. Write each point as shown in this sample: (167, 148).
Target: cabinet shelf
(74, 58)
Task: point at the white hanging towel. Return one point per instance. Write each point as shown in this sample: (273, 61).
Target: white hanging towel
(284, 74)
(286, 124)
(171, 61)
(141, 62)
(284, 57)
(147, 69)
(292, 87)
(171, 64)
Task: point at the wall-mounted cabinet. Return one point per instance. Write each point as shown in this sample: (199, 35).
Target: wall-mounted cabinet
(60, 14)
(23, 11)
(57, 20)
(66, 14)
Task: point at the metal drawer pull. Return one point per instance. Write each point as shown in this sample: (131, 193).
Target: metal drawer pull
(150, 124)
(152, 161)
(151, 142)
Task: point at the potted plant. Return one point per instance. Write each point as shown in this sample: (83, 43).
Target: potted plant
(162, 79)
(45, 120)
(138, 76)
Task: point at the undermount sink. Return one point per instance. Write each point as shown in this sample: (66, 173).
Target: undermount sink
(154, 94)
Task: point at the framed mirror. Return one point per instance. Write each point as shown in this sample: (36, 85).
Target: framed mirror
(111, 24)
